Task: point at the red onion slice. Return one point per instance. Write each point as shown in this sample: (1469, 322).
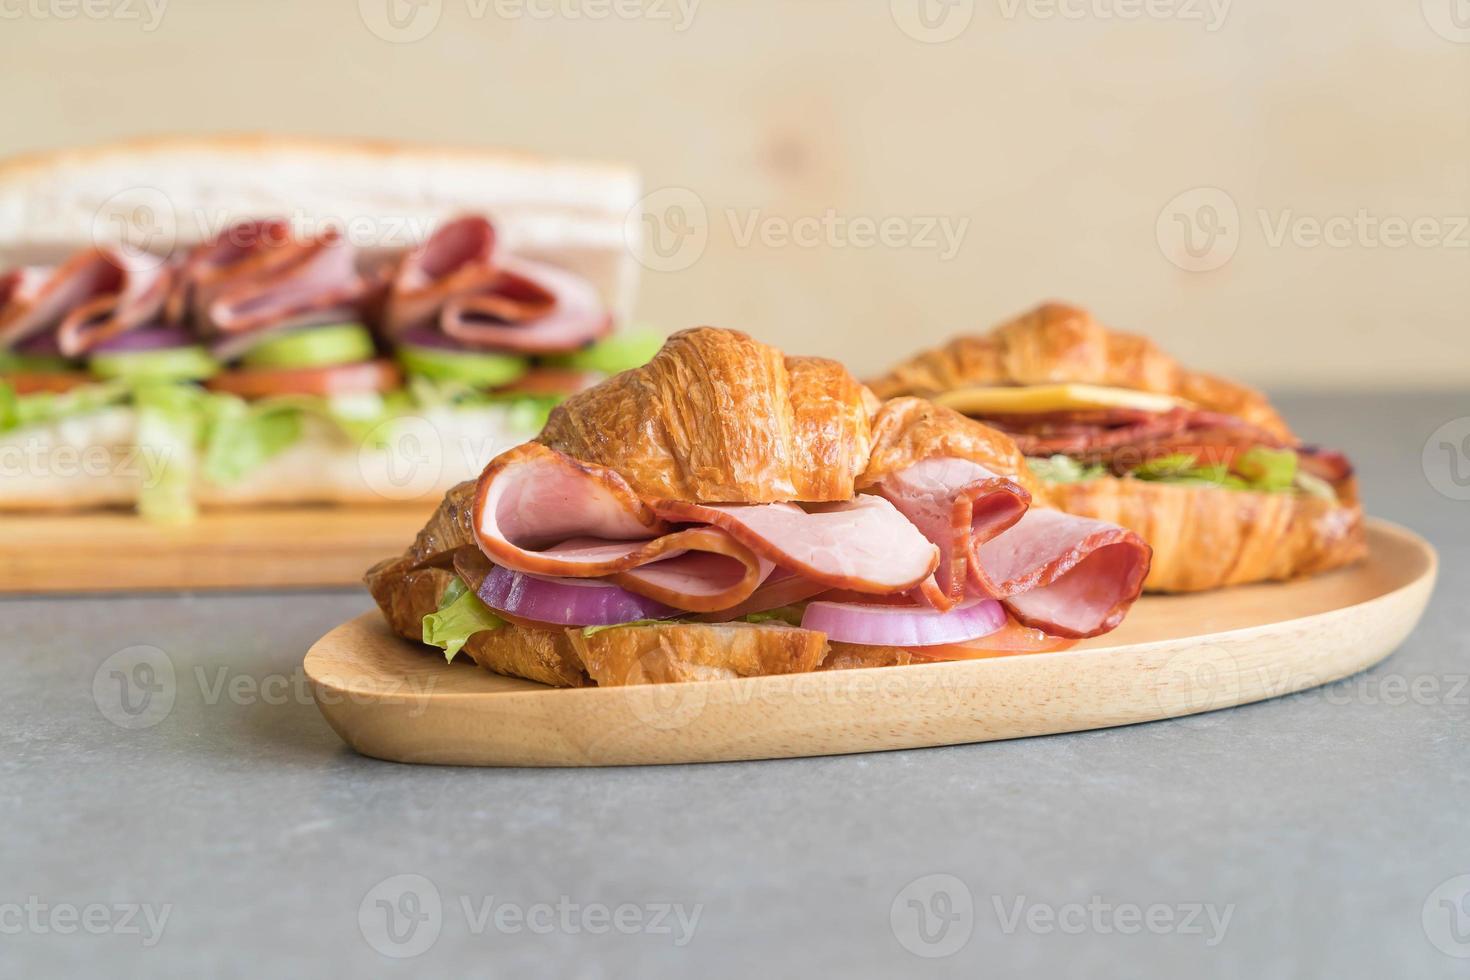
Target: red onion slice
(567, 602)
(145, 338)
(904, 626)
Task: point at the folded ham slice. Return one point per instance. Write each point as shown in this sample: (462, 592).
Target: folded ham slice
(532, 308)
(93, 296)
(541, 512)
(864, 544)
(456, 281)
(1070, 576)
(959, 505)
(259, 276)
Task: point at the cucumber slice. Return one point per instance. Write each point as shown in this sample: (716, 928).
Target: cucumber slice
(620, 352)
(339, 343)
(471, 368)
(22, 363)
(190, 363)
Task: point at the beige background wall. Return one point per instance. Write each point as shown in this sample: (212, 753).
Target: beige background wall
(1068, 144)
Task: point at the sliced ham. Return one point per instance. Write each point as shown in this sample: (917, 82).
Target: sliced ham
(543, 513)
(457, 259)
(94, 295)
(457, 283)
(864, 544)
(258, 276)
(959, 505)
(1070, 576)
(532, 308)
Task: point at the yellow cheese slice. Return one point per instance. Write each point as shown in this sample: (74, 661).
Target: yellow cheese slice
(1000, 400)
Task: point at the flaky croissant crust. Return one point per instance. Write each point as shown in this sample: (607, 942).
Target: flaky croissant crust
(1057, 343)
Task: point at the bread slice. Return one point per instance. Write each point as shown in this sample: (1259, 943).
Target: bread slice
(1203, 537)
(636, 654)
(1207, 537)
(161, 193)
(94, 460)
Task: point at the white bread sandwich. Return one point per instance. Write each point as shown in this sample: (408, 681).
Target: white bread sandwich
(1203, 468)
(729, 511)
(237, 321)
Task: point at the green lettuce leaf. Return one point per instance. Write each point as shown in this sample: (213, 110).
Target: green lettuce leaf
(240, 437)
(170, 424)
(612, 355)
(1314, 486)
(43, 407)
(594, 630)
(460, 616)
(1063, 469)
(1267, 469)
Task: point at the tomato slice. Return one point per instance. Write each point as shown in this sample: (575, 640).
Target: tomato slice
(550, 381)
(1009, 640)
(31, 382)
(337, 379)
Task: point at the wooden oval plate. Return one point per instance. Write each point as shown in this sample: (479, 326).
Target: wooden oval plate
(1174, 655)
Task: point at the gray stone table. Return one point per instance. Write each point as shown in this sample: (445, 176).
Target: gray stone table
(1317, 835)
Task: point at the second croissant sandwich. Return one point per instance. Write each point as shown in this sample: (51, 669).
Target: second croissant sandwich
(1203, 468)
(727, 511)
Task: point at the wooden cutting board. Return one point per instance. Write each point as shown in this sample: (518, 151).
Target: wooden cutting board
(223, 549)
(1174, 655)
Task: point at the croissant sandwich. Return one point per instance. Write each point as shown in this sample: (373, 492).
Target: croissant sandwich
(1116, 430)
(265, 320)
(727, 511)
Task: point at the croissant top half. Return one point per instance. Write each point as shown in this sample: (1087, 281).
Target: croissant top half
(1056, 343)
(718, 417)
